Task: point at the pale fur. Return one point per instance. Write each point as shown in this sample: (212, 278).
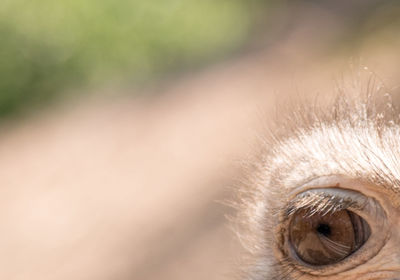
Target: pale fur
(357, 135)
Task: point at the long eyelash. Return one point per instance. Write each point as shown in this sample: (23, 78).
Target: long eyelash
(320, 203)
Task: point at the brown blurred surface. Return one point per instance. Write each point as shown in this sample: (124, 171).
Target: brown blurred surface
(126, 189)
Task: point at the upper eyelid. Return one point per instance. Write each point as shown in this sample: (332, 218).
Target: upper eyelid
(326, 200)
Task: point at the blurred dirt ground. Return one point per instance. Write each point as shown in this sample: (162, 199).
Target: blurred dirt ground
(120, 188)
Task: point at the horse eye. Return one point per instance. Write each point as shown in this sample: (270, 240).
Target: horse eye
(325, 239)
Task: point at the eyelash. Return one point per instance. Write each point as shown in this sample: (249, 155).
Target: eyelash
(322, 203)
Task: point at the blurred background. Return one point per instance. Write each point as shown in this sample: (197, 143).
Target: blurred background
(123, 123)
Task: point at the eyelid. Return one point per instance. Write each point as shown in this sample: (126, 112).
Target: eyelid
(328, 200)
(377, 203)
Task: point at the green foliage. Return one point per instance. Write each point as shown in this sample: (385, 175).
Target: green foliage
(50, 46)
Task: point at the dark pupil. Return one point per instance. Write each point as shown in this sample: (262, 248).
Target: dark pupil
(324, 229)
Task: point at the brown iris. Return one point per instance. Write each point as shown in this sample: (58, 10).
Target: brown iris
(327, 239)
